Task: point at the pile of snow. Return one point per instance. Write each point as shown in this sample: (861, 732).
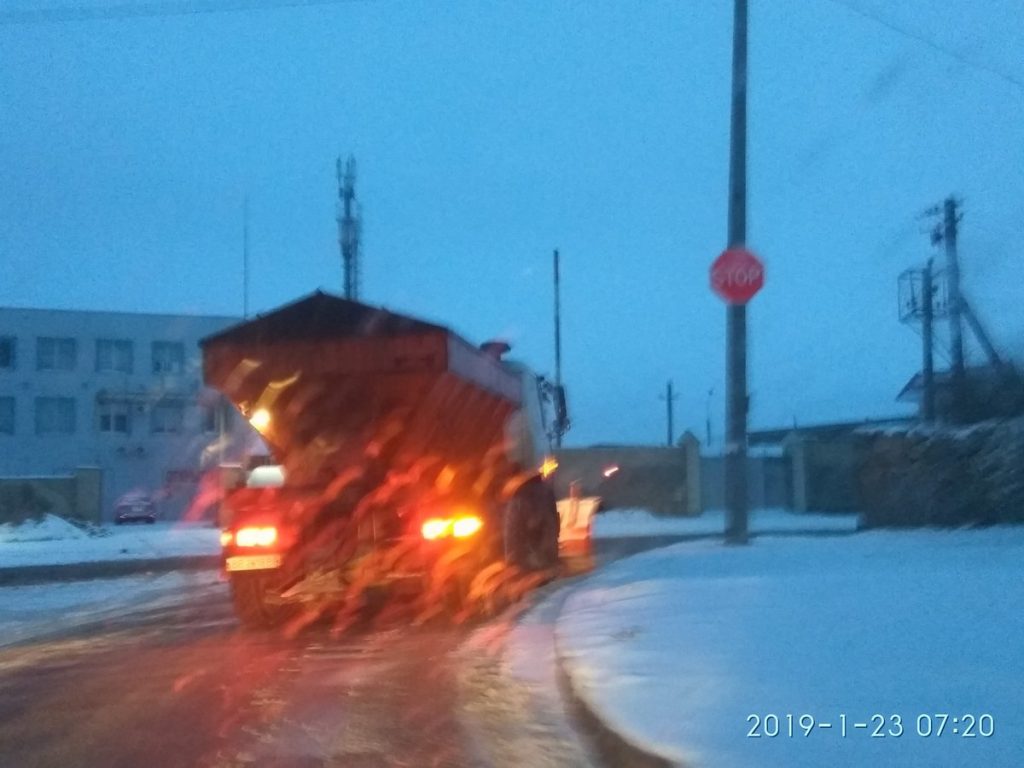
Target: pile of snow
(688, 650)
(114, 542)
(48, 528)
(618, 523)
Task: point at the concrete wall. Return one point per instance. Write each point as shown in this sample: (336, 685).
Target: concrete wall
(806, 473)
(944, 477)
(768, 482)
(663, 480)
(75, 496)
(89, 494)
(824, 472)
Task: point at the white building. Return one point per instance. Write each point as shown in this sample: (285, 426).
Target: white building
(114, 390)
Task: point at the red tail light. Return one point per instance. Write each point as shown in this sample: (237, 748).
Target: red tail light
(464, 527)
(264, 536)
(435, 528)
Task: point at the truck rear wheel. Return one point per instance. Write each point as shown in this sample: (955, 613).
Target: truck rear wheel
(252, 597)
(531, 528)
(549, 528)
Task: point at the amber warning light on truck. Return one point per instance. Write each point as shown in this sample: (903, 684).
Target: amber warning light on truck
(260, 419)
(461, 527)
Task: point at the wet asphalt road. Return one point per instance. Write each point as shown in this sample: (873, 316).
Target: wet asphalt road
(186, 687)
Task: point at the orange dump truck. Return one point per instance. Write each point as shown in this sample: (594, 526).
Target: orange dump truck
(408, 459)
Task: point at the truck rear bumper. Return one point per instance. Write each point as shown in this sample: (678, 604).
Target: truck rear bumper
(407, 564)
(261, 562)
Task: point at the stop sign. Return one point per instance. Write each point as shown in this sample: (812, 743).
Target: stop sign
(737, 275)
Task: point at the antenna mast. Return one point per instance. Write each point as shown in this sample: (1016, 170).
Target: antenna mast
(349, 226)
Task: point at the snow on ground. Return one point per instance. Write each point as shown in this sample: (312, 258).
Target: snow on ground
(680, 648)
(57, 542)
(638, 522)
(29, 611)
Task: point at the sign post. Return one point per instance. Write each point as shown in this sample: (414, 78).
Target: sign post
(736, 276)
(736, 314)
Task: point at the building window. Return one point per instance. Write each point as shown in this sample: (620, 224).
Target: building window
(168, 357)
(8, 353)
(209, 418)
(6, 415)
(114, 355)
(216, 416)
(53, 354)
(167, 418)
(114, 418)
(182, 477)
(55, 415)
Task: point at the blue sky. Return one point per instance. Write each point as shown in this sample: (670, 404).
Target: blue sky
(488, 134)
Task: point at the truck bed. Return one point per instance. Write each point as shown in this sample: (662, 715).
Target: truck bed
(345, 383)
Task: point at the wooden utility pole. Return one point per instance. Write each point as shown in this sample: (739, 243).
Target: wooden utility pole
(668, 397)
(707, 424)
(559, 425)
(950, 218)
(245, 258)
(927, 369)
(945, 231)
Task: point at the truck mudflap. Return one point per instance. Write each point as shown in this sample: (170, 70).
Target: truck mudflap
(576, 519)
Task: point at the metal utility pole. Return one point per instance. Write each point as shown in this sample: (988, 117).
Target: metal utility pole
(558, 348)
(668, 397)
(927, 375)
(245, 257)
(736, 314)
(349, 226)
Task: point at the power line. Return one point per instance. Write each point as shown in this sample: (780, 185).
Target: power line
(935, 46)
(66, 13)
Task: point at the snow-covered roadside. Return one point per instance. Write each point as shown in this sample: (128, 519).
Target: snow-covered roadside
(618, 523)
(687, 649)
(512, 708)
(29, 611)
(56, 542)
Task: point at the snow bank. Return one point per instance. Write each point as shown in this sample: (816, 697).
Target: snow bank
(49, 528)
(679, 648)
(113, 543)
(638, 522)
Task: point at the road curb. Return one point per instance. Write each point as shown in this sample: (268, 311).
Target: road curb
(612, 746)
(103, 569)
